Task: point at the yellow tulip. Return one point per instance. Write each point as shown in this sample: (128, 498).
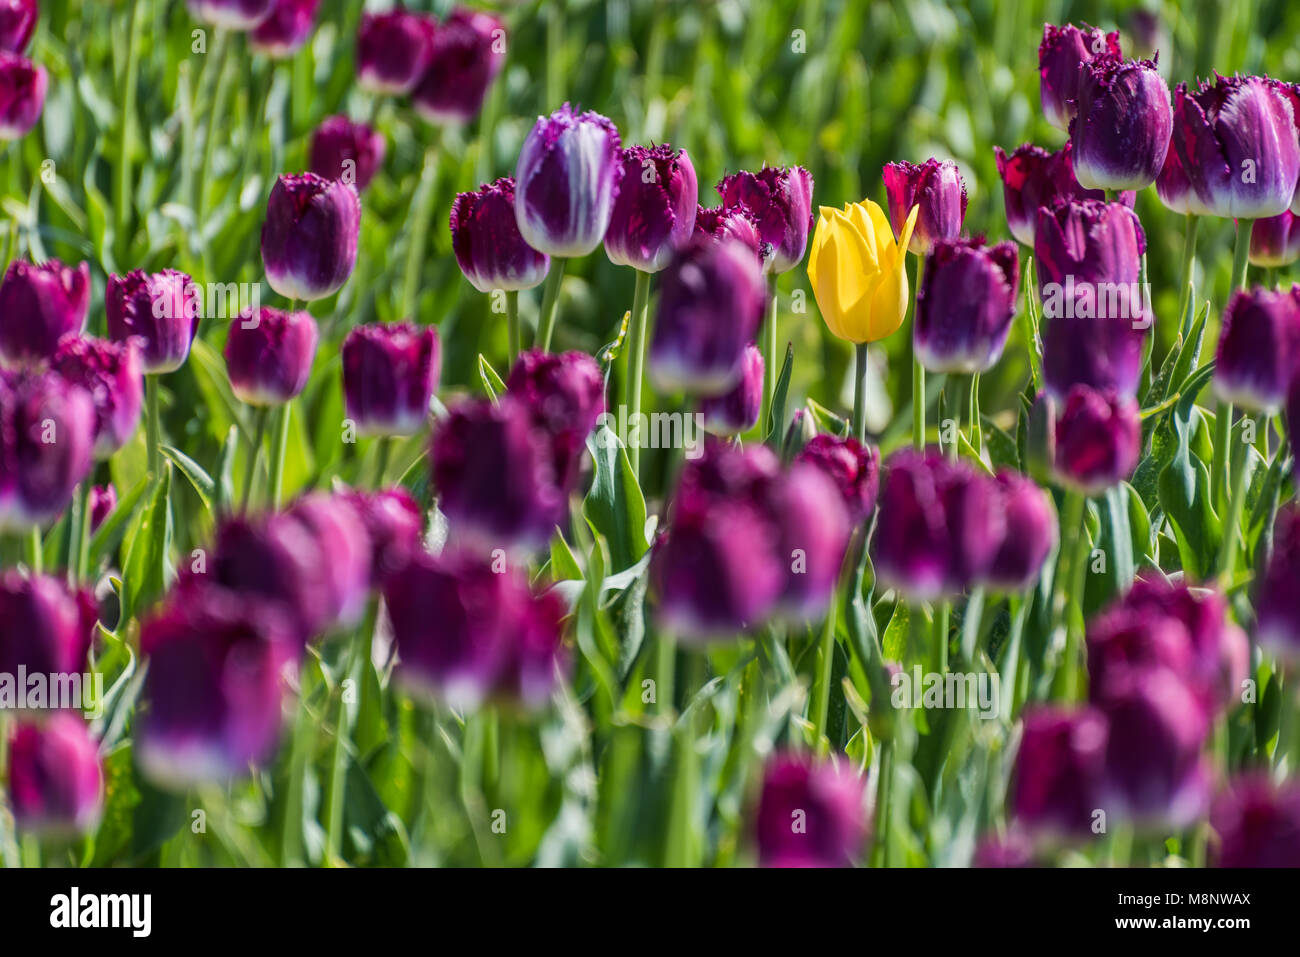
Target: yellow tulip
(858, 271)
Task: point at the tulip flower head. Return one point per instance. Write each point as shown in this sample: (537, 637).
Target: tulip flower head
(347, 151)
(1275, 240)
(1059, 769)
(45, 627)
(103, 500)
(1277, 601)
(937, 190)
(393, 50)
(1120, 136)
(489, 248)
(852, 465)
(810, 814)
(269, 355)
(394, 525)
(780, 202)
(309, 236)
(1259, 346)
(1098, 439)
(283, 33)
(1033, 177)
(1062, 53)
(737, 224)
(565, 395)
(965, 305)
(56, 782)
(17, 24)
(47, 439)
(466, 53)
(160, 310)
(390, 372)
(22, 95)
(111, 374)
(1256, 823)
(737, 411)
(1030, 533)
(231, 14)
(39, 305)
(654, 214)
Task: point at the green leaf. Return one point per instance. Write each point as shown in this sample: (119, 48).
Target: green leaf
(564, 565)
(201, 480)
(492, 383)
(776, 415)
(144, 572)
(615, 507)
(109, 533)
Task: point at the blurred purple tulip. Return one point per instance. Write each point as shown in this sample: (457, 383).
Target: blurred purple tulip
(309, 236)
(161, 309)
(103, 500)
(780, 202)
(393, 50)
(394, 525)
(737, 411)
(1056, 785)
(283, 33)
(269, 355)
(39, 305)
(1098, 439)
(45, 627)
(1259, 346)
(852, 465)
(810, 814)
(347, 151)
(1030, 533)
(112, 375)
(1256, 823)
(17, 24)
(390, 372)
(47, 439)
(1275, 240)
(22, 95)
(56, 781)
(1277, 599)
(467, 52)
(565, 395)
(965, 305)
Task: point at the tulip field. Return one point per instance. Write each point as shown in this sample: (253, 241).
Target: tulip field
(649, 433)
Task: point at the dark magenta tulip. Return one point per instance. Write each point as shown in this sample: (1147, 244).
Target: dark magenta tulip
(47, 439)
(56, 781)
(965, 304)
(1275, 240)
(45, 627)
(347, 151)
(489, 248)
(780, 202)
(1057, 783)
(810, 814)
(269, 355)
(161, 310)
(309, 236)
(1120, 135)
(103, 500)
(1277, 599)
(17, 24)
(1256, 823)
(1030, 533)
(22, 95)
(111, 373)
(393, 50)
(39, 305)
(565, 394)
(813, 529)
(737, 411)
(1098, 439)
(852, 465)
(283, 33)
(467, 52)
(338, 569)
(938, 189)
(395, 526)
(654, 214)
(390, 372)
(1061, 54)
(231, 14)
(1259, 345)
(1033, 177)
(737, 224)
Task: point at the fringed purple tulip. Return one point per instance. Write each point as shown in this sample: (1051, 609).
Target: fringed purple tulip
(654, 214)
(1275, 241)
(1120, 136)
(103, 500)
(467, 633)
(161, 310)
(1098, 439)
(1088, 257)
(39, 305)
(47, 439)
(780, 202)
(736, 224)
(467, 53)
(1030, 533)
(1061, 55)
(111, 373)
(390, 372)
(737, 411)
(853, 466)
(1256, 823)
(17, 24)
(965, 305)
(347, 151)
(1056, 788)
(810, 814)
(309, 236)
(269, 355)
(213, 688)
(1234, 151)
(283, 33)
(22, 95)
(489, 248)
(1277, 600)
(393, 50)
(231, 14)
(394, 525)
(566, 395)
(710, 306)
(56, 782)
(813, 529)
(45, 629)
(1033, 177)
(1259, 346)
(938, 189)
(568, 177)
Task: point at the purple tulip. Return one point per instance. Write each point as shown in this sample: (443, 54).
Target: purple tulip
(965, 304)
(231, 14)
(1275, 240)
(1030, 533)
(1256, 823)
(283, 33)
(347, 151)
(340, 566)
(938, 189)
(780, 202)
(853, 466)
(45, 628)
(1013, 850)
(393, 50)
(309, 237)
(654, 214)
(495, 476)
(735, 224)
(46, 448)
(161, 309)
(737, 411)
(22, 95)
(468, 51)
(1098, 439)
(1259, 346)
(1058, 775)
(467, 633)
(1088, 257)
(394, 525)
(56, 783)
(103, 500)
(111, 373)
(810, 814)
(565, 395)
(17, 23)
(488, 245)
(39, 305)
(1234, 151)
(269, 355)
(813, 529)
(213, 688)
(568, 177)
(1033, 177)
(390, 372)
(710, 307)
(1121, 134)
(1277, 603)
(1061, 55)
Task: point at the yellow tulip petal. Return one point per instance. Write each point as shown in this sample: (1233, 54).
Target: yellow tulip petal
(906, 236)
(861, 220)
(889, 301)
(884, 233)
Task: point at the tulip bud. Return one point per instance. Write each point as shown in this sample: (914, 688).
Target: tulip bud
(309, 237)
(710, 306)
(488, 245)
(22, 95)
(269, 355)
(162, 309)
(858, 273)
(49, 426)
(853, 466)
(45, 629)
(494, 472)
(1030, 535)
(565, 395)
(17, 23)
(569, 172)
(1058, 774)
(395, 526)
(231, 14)
(110, 373)
(1033, 177)
(283, 33)
(940, 193)
(1258, 348)
(103, 500)
(737, 224)
(393, 50)
(468, 50)
(1234, 151)
(965, 305)
(390, 373)
(810, 814)
(813, 529)
(1275, 241)
(39, 305)
(780, 202)
(1121, 134)
(347, 151)
(56, 783)
(213, 687)
(737, 411)
(1098, 439)
(1061, 56)
(654, 214)
(1256, 823)
(466, 632)
(1277, 603)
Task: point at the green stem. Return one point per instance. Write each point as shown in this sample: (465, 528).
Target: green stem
(418, 227)
(153, 428)
(1190, 229)
(1228, 546)
(554, 55)
(550, 299)
(636, 346)
(821, 695)
(976, 429)
(216, 109)
(278, 445)
(666, 672)
(1067, 603)
(1241, 253)
(35, 551)
(254, 453)
(512, 324)
(860, 391)
(358, 660)
(125, 204)
(1221, 464)
(769, 362)
(383, 455)
(942, 618)
(884, 794)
